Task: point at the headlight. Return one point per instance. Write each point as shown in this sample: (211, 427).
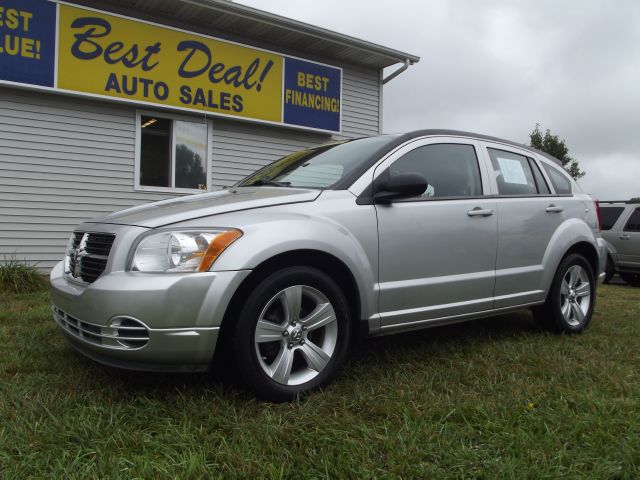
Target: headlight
(184, 251)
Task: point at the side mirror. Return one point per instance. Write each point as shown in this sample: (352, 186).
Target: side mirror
(403, 185)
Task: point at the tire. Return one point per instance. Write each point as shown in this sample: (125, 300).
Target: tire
(292, 334)
(570, 302)
(631, 278)
(609, 271)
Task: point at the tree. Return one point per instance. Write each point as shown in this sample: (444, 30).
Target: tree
(190, 172)
(555, 147)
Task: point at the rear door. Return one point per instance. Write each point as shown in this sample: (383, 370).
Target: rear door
(437, 250)
(529, 213)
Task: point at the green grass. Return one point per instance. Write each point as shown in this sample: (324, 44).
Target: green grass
(490, 399)
(18, 276)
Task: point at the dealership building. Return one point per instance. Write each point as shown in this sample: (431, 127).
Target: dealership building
(108, 105)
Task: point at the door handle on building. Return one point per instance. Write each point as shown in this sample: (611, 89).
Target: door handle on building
(554, 209)
(480, 212)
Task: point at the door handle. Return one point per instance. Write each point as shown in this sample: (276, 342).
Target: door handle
(624, 237)
(480, 212)
(554, 209)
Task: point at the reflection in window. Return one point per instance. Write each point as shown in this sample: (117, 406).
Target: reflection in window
(450, 169)
(191, 154)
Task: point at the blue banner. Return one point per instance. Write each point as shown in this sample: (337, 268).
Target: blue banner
(27, 41)
(312, 95)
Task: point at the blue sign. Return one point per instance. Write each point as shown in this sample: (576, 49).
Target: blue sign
(27, 41)
(312, 95)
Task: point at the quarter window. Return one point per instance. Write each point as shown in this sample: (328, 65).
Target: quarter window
(172, 154)
(559, 180)
(450, 169)
(610, 216)
(513, 173)
(633, 224)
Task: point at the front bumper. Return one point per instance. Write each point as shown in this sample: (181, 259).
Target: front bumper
(176, 317)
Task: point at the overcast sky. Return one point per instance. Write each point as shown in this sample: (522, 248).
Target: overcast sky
(499, 67)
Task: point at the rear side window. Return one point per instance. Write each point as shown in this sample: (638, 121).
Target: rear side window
(451, 169)
(513, 173)
(633, 224)
(559, 180)
(610, 216)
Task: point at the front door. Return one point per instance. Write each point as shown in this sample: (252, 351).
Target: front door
(437, 250)
(629, 244)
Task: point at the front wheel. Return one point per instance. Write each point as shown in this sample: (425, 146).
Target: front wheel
(570, 302)
(292, 334)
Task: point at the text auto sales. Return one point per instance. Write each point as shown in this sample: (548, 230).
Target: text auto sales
(197, 61)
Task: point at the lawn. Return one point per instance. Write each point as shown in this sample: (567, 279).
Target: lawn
(496, 398)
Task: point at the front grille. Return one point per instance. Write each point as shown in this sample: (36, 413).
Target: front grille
(124, 333)
(87, 255)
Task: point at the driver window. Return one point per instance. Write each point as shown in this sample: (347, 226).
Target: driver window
(451, 169)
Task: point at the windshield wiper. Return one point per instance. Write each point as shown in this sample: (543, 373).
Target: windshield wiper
(268, 181)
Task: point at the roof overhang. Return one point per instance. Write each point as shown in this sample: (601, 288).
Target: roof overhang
(241, 21)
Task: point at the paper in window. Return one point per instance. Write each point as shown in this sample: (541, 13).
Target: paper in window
(512, 171)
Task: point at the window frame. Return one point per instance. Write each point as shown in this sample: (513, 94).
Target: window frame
(495, 180)
(397, 154)
(525, 153)
(138, 145)
(628, 219)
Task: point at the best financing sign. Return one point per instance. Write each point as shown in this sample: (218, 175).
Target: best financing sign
(106, 55)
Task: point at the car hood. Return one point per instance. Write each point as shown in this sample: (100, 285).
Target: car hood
(190, 207)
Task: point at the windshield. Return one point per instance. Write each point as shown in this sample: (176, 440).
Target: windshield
(318, 167)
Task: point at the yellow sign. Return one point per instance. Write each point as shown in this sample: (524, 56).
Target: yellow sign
(110, 55)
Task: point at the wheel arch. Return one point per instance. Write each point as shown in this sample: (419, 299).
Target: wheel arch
(323, 261)
(589, 252)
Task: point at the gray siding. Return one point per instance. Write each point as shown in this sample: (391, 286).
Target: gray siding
(64, 160)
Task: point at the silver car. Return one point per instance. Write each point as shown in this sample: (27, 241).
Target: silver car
(278, 274)
(621, 230)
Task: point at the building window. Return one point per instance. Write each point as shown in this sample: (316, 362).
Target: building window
(172, 154)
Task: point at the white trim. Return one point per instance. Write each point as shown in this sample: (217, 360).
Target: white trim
(177, 108)
(56, 41)
(138, 145)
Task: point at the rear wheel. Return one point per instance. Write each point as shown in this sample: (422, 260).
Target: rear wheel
(292, 334)
(570, 302)
(631, 278)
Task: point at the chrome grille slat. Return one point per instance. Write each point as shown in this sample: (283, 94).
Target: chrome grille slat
(88, 255)
(96, 334)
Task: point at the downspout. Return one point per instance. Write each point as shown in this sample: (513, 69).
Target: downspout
(393, 75)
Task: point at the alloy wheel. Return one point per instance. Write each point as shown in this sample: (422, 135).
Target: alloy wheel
(575, 295)
(296, 335)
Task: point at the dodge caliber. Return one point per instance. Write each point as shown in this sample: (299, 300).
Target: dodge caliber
(278, 274)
